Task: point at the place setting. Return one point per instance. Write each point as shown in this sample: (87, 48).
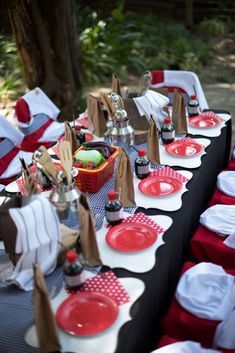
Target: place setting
(184, 152)
(163, 188)
(206, 124)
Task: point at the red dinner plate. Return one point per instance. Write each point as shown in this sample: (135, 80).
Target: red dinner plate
(160, 186)
(184, 149)
(204, 121)
(87, 313)
(131, 237)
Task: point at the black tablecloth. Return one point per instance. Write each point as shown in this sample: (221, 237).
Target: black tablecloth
(141, 333)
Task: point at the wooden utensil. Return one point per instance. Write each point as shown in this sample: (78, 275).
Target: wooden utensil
(66, 159)
(44, 158)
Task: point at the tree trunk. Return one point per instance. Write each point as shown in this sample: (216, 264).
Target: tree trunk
(47, 41)
(189, 14)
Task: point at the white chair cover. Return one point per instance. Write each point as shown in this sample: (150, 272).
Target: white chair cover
(219, 219)
(186, 80)
(207, 291)
(226, 182)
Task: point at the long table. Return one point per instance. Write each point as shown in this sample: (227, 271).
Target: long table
(142, 332)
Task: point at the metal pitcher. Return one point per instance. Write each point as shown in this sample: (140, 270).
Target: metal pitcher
(120, 130)
(65, 199)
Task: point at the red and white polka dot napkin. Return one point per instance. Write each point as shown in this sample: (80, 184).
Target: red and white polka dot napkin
(141, 218)
(210, 115)
(107, 283)
(167, 171)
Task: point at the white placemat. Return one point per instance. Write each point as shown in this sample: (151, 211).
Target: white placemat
(141, 261)
(186, 162)
(213, 132)
(168, 203)
(104, 342)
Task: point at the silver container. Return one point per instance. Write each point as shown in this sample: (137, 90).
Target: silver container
(65, 199)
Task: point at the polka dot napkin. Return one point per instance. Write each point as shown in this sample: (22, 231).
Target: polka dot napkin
(141, 218)
(167, 171)
(21, 185)
(210, 115)
(107, 283)
(189, 140)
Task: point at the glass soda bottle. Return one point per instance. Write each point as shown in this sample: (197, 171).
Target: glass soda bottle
(73, 271)
(142, 165)
(113, 209)
(81, 137)
(167, 131)
(193, 106)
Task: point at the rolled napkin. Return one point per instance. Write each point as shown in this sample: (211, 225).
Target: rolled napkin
(37, 239)
(116, 88)
(44, 318)
(124, 180)
(184, 347)
(207, 291)
(96, 116)
(152, 143)
(178, 113)
(219, 219)
(70, 136)
(226, 182)
(88, 241)
(152, 104)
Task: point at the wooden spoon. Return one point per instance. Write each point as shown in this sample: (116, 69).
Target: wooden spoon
(66, 159)
(44, 158)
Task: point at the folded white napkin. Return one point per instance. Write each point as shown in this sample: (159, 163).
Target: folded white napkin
(14, 167)
(219, 219)
(184, 347)
(186, 80)
(9, 131)
(39, 102)
(226, 182)
(233, 153)
(38, 237)
(207, 291)
(152, 103)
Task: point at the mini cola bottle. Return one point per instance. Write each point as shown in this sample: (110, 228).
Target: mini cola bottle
(81, 137)
(167, 131)
(113, 209)
(73, 271)
(142, 165)
(193, 106)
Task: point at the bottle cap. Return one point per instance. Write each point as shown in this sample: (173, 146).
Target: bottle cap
(78, 128)
(141, 152)
(71, 256)
(167, 121)
(193, 96)
(112, 195)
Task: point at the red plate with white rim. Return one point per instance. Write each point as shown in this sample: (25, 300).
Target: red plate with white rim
(87, 313)
(204, 121)
(160, 186)
(131, 237)
(184, 148)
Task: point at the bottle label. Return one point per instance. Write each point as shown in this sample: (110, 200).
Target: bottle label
(114, 216)
(193, 110)
(168, 135)
(74, 281)
(143, 169)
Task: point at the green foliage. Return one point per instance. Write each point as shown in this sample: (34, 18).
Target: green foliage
(10, 68)
(212, 28)
(131, 43)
